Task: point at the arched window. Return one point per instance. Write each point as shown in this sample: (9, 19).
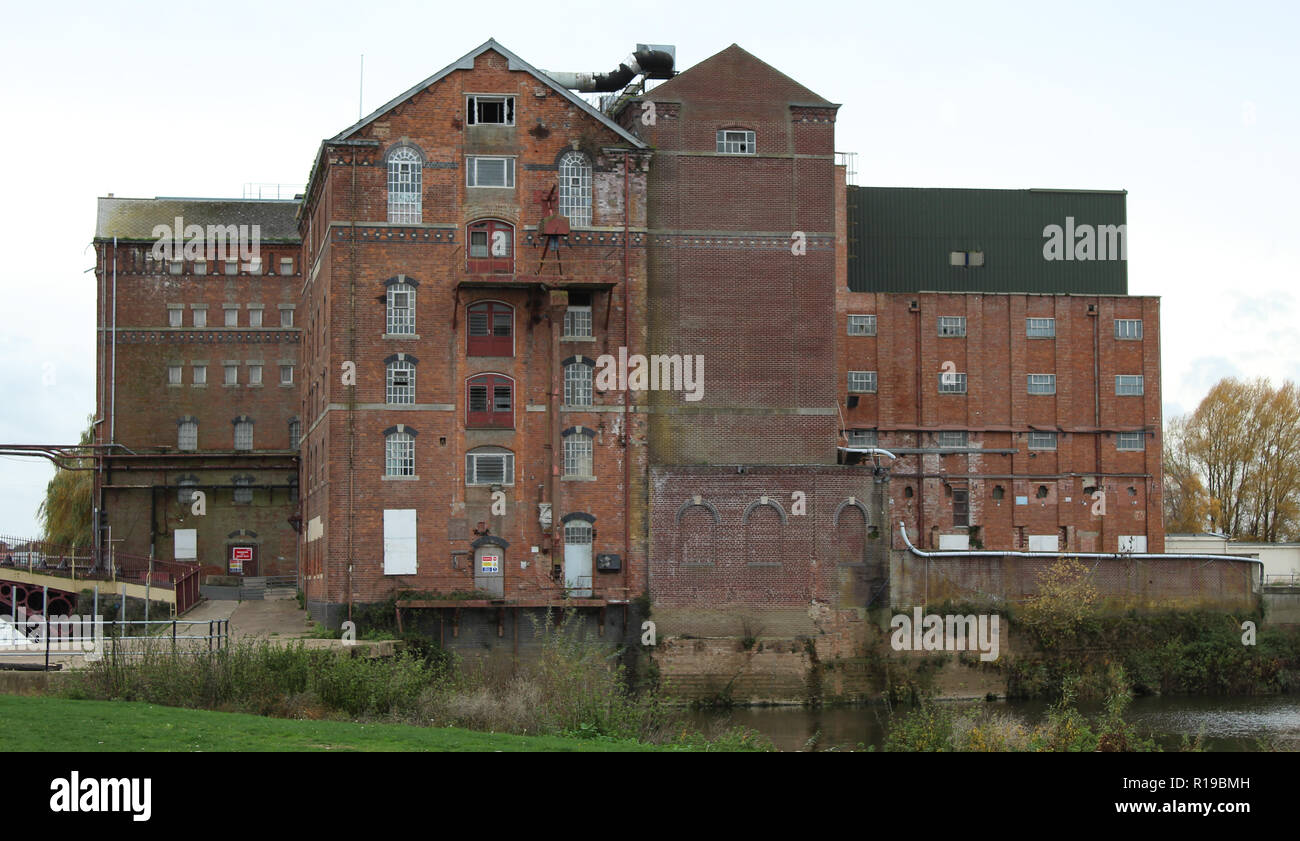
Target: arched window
(401, 379)
(489, 466)
(401, 309)
(399, 451)
(491, 329)
(185, 495)
(243, 432)
(575, 189)
(187, 433)
(578, 452)
(491, 248)
(490, 401)
(577, 381)
(404, 185)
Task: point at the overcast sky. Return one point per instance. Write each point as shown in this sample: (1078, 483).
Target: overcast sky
(1191, 107)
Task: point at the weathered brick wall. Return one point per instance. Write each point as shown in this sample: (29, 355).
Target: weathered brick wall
(349, 497)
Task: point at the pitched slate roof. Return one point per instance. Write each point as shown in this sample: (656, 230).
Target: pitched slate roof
(134, 219)
(466, 62)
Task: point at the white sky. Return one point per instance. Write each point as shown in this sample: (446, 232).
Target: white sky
(1191, 107)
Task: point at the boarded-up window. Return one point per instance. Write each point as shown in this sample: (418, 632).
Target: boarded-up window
(696, 532)
(186, 544)
(399, 541)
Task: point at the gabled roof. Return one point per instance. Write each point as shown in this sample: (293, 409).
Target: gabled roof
(134, 219)
(514, 62)
(736, 63)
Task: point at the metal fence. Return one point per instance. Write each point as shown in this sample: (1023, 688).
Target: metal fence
(84, 636)
(79, 563)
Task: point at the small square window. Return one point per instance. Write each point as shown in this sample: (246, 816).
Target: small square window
(1042, 440)
(1130, 441)
(862, 437)
(1128, 328)
(232, 317)
(952, 325)
(200, 318)
(735, 142)
(243, 489)
(232, 374)
(286, 317)
(1040, 328)
(862, 382)
(1128, 385)
(286, 265)
(254, 318)
(173, 375)
(490, 110)
(952, 382)
(200, 266)
(232, 267)
(1042, 383)
(174, 317)
(254, 374)
(255, 265)
(200, 375)
(950, 438)
(286, 375)
(176, 266)
(490, 172)
(862, 325)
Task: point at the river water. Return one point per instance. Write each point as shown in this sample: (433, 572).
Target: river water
(1226, 723)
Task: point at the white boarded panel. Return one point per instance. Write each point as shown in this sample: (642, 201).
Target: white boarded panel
(399, 541)
(1132, 543)
(187, 544)
(1043, 542)
(954, 542)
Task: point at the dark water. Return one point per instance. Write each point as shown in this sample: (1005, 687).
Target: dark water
(1226, 723)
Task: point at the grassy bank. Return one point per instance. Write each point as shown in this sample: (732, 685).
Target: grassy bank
(60, 724)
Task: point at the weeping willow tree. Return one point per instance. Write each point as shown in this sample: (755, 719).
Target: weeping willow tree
(66, 514)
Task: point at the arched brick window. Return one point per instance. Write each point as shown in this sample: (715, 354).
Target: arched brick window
(575, 189)
(404, 166)
(490, 401)
(491, 329)
(491, 247)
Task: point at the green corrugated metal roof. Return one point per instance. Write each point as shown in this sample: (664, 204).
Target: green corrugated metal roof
(901, 239)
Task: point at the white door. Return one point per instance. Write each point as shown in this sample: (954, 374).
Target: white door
(577, 558)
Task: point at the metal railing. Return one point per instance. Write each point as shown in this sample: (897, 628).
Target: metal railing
(1289, 579)
(33, 636)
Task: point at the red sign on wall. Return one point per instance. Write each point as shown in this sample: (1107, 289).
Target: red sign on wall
(241, 553)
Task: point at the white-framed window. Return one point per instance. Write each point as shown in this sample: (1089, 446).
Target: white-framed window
(254, 374)
(176, 266)
(286, 265)
(489, 466)
(862, 325)
(243, 434)
(404, 190)
(232, 374)
(483, 171)
(175, 316)
(735, 142)
(286, 375)
(255, 318)
(483, 110)
(577, 383)
(200, 318)
(401, 310)
(862, 437)
(577, 318)
(295, 433)
(1130, 441)
(1042, 383)
(255, 265)
(231, 315)
(286, 316)
(966, 258)
(1042, 440)
(200, 375)
(232, 267)
(401, 382)
(1128, 328)
(952, 325)
(952, 382)
(577, 454)
(200, 266)
(1040, 328)
(577, 533)
(1128, 385)
(399, 454)
(243, 489)
(862, 382)
(185, 495)
(575, 189)
(173, 375)
(187, 435)
(952, 438)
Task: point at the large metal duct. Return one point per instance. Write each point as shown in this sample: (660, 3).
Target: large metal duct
(653, 61)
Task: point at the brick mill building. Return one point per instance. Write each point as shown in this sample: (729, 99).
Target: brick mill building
(463, 258)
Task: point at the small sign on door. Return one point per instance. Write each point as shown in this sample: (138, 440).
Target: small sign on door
(490, 563)
(238, 556)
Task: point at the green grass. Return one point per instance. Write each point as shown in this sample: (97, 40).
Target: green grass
(59, 724)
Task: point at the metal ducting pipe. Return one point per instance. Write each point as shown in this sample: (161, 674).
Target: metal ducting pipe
(654, 61)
